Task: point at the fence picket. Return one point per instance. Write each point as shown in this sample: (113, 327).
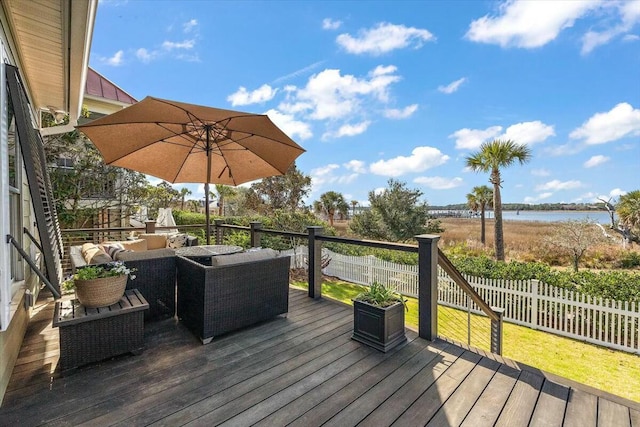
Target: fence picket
(528, 303)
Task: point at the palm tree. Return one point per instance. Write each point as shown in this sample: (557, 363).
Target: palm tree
(628, 210)
(224, 191)
(491, 157)
(184, 192)
(330, 203)
(354, 203)
(479, 198)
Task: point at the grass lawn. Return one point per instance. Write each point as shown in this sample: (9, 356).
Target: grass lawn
(614, 371)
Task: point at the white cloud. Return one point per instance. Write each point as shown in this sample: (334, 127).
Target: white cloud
(539, 197)
(562, 150)
(378, 191)
(471, 139)
(631, 38)
(189, 25)
(290, 125)
(297, 73)
(528, 133)
(348, 130)
(556, 185)
(406, 112)
(144, 55)
(421, 159)
(243, 97)
(629, 16)
(358, 166)
(323, 174)
(529, 24)
(330, 95)
(327, 175)
(330, 24)
(616, 192)
(384, 38)
(540, 172)
(187, 44)
(438, 182)
(116, 59)
(452, 87)
(619, 122)
(596, 161)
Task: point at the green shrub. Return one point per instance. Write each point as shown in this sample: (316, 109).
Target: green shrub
(630, 259)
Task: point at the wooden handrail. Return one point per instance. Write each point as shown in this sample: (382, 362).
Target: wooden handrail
(460, 280)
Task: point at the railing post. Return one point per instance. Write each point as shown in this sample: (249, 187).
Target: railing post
(219, 231)
(150, 227)
(315, 262)
(496, 331)
(428, 286)
(256, 236)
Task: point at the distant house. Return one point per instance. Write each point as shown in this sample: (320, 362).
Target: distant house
(44, 47)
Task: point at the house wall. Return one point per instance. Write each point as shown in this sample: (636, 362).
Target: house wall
(15, 315)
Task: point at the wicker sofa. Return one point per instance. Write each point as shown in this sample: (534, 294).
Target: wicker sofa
(155, 276)
(240, 290)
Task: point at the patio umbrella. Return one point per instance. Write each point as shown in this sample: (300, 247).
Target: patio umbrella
(188, 143)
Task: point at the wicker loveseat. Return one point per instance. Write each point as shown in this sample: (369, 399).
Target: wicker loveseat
(213, 300)
(155, 274)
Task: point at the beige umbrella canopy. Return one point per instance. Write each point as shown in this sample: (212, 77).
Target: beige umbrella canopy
(188, 143)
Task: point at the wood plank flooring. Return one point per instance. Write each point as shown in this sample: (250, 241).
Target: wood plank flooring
(302, 370)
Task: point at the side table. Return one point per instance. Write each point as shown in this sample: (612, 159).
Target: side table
(92, 334)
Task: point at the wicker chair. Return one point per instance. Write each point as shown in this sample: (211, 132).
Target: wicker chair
(155, 278)
(213, 300)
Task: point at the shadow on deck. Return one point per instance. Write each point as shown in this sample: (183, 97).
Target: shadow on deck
(302, 370)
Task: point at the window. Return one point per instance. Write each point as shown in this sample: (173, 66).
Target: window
(15, 200)
(65, 163)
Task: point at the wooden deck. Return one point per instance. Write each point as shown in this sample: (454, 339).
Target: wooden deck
(303, 370)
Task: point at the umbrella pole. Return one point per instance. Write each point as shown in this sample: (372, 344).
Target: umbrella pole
(206, 188)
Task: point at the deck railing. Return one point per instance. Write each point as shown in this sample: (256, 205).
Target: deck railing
(429, 257)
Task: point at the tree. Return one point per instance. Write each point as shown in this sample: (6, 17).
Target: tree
(330, 203)
(280, 192)
(396, 214)
(628, 210)
(354, 204)
(574, 237)
(74, 165)
(491, 157)
(161, 196)
(625, 208)
(479, 198)
(184, 192)
(224, 191)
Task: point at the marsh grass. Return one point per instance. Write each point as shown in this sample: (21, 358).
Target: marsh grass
(613, 371)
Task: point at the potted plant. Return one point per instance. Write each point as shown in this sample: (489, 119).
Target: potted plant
(378, 317)
(100, 285)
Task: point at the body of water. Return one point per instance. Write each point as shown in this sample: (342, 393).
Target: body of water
(601, 217)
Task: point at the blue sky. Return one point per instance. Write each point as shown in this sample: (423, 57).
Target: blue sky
(404, 90)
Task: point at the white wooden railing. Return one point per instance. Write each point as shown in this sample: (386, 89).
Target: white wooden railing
(613, 324)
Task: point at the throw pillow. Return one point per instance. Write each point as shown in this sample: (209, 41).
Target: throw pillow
(177, 241)
(138, 245)
(93, 254)
(112, 248)
(154, 240)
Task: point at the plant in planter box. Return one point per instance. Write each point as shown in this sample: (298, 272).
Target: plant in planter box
(378, 317)
(100, 285)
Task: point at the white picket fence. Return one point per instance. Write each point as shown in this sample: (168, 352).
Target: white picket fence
(613, 324)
